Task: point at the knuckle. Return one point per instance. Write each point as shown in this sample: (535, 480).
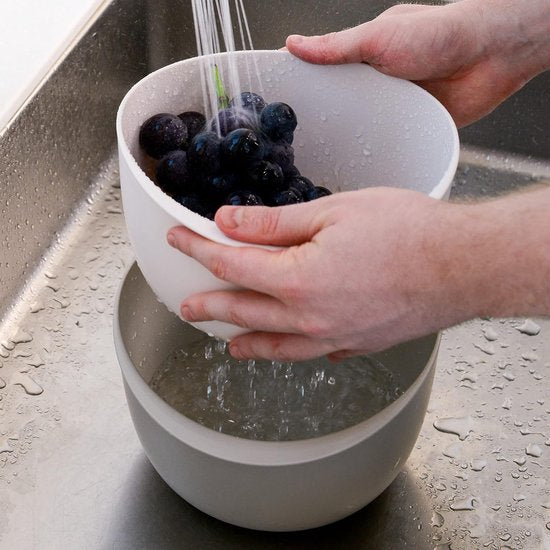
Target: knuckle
(235, 316)
(269, 222)
(261, 220)
(291, 290)
(219, 268)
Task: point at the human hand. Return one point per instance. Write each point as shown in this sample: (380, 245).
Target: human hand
(361, 271)
(471, 55)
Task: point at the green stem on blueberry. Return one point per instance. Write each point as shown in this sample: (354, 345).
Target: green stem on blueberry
(223, 100)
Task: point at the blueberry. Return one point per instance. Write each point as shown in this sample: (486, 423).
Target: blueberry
(161, 134)
(243, 198)
(287, 137)
(194, 202)
(302, 185)
(173, 174)
(221, 184)
(228, 120)
(317, 192)
(281, 153)
(203, 154)
(194, 122)
(292, 172)
(250, 101)
(265, 176)
(240, 148)
(287, 196)
(278, 119)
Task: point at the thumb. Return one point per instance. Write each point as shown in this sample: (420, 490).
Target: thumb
(347, 46)
(283, 225)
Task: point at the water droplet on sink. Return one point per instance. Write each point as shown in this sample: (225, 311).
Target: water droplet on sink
(463, 504)
(530, 356)
(529, 327)
(477, 465)
(533, 450)
(21, 337)
(459, 426)
(27, 383)
(490, 334)
(37, 306)
(437, 520)
(489, 349)
(454, 450)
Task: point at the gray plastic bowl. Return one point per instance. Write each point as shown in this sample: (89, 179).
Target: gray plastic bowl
(273, 486)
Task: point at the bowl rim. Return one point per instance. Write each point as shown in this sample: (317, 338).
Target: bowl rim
(208, 228)
(249, 451)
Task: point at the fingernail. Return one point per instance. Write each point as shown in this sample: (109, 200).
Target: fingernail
(295, 38)
(171, 238)
(231, 217)
(186, 313)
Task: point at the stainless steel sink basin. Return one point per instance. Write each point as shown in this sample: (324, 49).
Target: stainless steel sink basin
(72, 471)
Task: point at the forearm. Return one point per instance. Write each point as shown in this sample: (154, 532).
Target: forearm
(517, 31)
(497, 256)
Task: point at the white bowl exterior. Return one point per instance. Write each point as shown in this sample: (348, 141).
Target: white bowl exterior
(334, 482)
(357, 128)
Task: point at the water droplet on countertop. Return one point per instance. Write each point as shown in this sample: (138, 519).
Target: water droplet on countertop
(458, 426)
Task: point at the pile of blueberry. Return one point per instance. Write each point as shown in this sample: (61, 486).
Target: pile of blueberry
(243, 156)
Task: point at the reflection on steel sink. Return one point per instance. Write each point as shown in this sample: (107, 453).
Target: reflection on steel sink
(71, 467)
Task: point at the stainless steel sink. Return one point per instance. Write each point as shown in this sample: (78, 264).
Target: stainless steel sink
(72, 471)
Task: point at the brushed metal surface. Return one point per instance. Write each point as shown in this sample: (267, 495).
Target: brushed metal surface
(72, 471)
